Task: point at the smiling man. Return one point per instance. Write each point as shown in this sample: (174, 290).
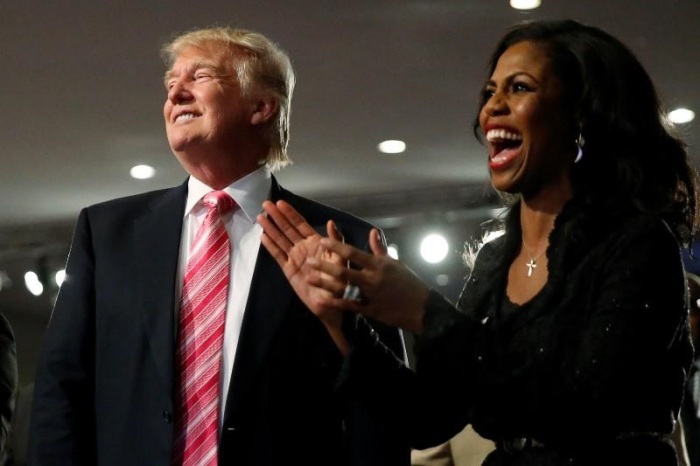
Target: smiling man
(176, 339)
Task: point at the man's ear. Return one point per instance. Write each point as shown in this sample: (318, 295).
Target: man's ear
(266, 108)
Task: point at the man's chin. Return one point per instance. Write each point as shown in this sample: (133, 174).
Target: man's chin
(182, 144)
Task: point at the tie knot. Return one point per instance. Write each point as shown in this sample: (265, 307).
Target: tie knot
(220, 201)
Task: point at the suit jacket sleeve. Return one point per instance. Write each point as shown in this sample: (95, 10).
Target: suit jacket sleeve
(63, 416)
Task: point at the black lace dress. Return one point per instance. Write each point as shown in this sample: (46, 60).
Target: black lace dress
(590, 371)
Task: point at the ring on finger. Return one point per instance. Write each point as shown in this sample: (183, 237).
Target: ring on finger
(352, 292)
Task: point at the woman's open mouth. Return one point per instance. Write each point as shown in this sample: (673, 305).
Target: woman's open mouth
(504, 147)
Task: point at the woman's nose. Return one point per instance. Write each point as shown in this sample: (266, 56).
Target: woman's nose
(495, 105)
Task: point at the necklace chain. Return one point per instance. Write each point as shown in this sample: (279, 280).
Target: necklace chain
(532, 263)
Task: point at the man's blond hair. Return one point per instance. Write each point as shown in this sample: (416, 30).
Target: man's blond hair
(260, 66)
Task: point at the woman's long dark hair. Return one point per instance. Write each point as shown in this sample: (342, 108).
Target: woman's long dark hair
(630, 156)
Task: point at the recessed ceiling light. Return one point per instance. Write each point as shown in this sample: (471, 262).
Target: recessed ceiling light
(443, 279)
(681, 115)
(434, 248)
(393, 251)
(33, 284)
(525, 4)
(142, 172)
(60, 277)
(392, 146)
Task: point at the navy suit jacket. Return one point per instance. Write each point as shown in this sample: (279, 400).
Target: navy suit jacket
(104, 391)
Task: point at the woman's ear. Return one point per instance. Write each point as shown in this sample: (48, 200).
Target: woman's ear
(266, 108)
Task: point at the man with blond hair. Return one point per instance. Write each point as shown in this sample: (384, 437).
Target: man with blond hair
(176, 339)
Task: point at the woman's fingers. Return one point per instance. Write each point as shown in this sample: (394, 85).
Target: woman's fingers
(295, 219)
(376, 244)
(345, 305)
(333, 232)
(330, 271)
(275, 251)
(275, 237)
(282, 222)
(327, 282)
(348, 253)
(334, 277)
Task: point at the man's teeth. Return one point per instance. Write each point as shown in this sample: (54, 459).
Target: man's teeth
(185, 116)
(495, 134)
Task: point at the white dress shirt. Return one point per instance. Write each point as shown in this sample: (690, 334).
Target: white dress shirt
(249, 193)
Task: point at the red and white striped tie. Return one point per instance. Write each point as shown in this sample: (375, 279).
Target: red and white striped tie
(201, 336)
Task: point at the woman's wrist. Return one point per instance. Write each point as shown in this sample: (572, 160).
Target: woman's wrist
(338, 336)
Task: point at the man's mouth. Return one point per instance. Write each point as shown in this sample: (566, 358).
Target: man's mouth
(186, 116)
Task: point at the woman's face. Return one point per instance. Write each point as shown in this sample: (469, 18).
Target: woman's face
(528, 132)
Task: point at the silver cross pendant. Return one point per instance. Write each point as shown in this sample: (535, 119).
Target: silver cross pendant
(531, 265)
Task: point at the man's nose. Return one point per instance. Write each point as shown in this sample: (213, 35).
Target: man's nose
(178, 92)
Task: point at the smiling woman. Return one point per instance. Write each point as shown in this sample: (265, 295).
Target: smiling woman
(525, 121)
(564, 348)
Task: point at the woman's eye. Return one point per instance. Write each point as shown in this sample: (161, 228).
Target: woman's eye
(487, 93)
(520, 87)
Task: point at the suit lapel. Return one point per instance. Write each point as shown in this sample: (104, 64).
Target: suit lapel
(157, 244)
(268, 301)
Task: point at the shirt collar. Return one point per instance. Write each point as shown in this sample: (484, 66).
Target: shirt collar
(249, 192)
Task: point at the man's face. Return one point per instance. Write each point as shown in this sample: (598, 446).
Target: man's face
(205, 111)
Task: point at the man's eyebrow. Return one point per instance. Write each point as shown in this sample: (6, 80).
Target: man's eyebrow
(192, 67)
(168, 74)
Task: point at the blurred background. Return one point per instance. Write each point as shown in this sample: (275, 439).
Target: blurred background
(82, 94)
